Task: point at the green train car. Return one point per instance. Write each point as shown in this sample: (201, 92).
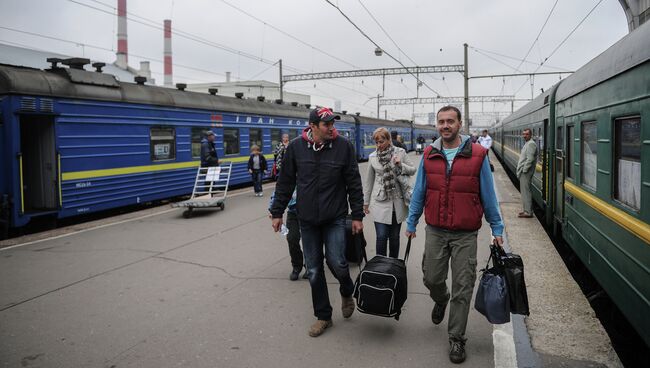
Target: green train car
(592, 179)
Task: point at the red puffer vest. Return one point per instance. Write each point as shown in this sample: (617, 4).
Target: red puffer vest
(453, 201)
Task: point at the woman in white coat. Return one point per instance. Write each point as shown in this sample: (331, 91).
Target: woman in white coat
(383, 197)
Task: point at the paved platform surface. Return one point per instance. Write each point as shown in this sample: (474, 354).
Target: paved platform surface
(158, 290)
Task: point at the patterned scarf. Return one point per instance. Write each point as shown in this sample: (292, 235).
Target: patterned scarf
(388, 175)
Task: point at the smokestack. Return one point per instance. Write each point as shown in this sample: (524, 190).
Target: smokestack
(168, 53)
(227, 77)
(122, 44)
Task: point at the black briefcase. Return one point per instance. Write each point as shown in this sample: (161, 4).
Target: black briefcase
(513, 269)
(381, 287)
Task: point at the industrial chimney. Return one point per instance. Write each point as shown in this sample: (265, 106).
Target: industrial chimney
(168, 53)
(122, 44)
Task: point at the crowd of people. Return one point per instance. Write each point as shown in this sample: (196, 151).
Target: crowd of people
(319, 183)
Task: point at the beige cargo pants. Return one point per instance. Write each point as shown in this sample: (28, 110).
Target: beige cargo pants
(440, 247)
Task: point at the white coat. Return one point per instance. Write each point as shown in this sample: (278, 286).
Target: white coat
(382, 211)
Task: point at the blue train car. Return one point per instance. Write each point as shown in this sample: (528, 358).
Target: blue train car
(367, 125)
(75, 141)
(428, 132)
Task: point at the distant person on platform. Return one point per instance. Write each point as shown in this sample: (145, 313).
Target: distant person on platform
(257, 168)
(278, 154)
(454, 187)
(396, 142)
(322, 166)
(525, 171)
(486, 141)
(209, 150)
(421, 139)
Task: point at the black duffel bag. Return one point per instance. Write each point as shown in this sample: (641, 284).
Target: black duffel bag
(492, 299)
(513, 269)
(355, 244)
(381, 287)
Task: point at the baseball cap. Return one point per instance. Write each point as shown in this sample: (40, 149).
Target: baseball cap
(209, 132)
(322, 114)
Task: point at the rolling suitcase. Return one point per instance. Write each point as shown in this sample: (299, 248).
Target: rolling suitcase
(381, 287)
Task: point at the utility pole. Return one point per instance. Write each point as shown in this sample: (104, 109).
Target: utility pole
(281, 86)
(466, 105)
(378, 96)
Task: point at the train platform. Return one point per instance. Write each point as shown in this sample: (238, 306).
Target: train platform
(153, 289)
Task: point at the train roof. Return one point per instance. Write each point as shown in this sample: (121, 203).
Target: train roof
(534, 105)
(381, 122)
(87, 85)
(425, 127)
(630, 51)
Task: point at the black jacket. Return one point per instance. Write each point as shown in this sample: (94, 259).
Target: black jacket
(325, 181)
(263, 166)
(208, 154)
(399, 144)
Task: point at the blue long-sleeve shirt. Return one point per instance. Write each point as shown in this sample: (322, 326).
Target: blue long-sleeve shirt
(487, 193)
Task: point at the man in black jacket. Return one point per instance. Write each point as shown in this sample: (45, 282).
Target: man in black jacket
(209, 150)
(323, 167)
(396, 142)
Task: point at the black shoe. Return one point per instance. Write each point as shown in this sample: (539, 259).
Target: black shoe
(294, 274)
(306, 274)
(438, 313)
(457, 351)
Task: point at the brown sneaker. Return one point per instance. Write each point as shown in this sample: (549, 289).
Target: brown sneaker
(347, 306)
(319, 327)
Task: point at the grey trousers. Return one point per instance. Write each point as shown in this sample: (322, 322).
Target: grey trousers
(439, 247)
(525, 180)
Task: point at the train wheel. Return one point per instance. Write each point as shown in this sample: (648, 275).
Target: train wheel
(222, 206)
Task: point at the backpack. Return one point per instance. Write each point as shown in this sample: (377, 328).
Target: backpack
(381, 287)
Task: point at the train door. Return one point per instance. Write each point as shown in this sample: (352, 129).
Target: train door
(559, 172)
(39, 169)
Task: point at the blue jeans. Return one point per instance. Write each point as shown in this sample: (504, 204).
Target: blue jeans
(384, 234)
(257, 180)
(332, 235)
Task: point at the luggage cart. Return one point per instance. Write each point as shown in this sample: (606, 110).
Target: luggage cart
(210, 189)
(419, 148)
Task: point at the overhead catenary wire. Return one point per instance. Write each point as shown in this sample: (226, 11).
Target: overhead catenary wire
(514, 58)
(561, 43)
(377, 45)
(305, 43)
(153, 24)
(538, 34)
(386, 33)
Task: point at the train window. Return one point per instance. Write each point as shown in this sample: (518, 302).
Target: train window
(255, 138)
(162, 143)
(628, 161)
(570, 133)
(231, 141)
(197, 136)
(276, 138)
(589, 165)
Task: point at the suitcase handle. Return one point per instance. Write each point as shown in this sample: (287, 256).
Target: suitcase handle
(408, 250)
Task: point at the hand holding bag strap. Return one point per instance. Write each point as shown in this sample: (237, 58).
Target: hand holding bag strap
(408, 250)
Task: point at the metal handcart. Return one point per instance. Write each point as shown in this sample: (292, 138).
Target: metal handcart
(210, 189)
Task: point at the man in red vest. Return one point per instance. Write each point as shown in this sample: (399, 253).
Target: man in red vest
(455, 182)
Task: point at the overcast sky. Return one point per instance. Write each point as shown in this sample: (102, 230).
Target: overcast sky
(428, 32)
